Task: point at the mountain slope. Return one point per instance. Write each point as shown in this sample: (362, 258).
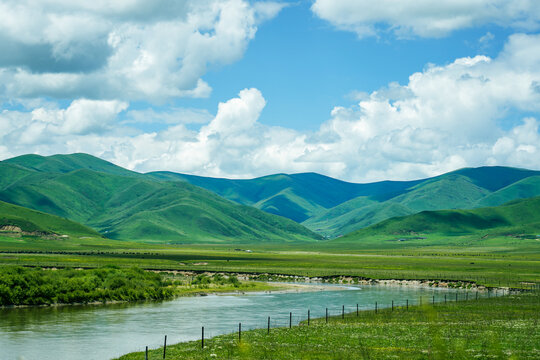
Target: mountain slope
(296, 196)
(461, 189)
(138, 207)
(15, 219)
(519, 216)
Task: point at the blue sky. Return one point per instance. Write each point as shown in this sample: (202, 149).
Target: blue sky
(358, 90)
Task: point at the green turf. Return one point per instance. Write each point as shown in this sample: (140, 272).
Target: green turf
(499, 328)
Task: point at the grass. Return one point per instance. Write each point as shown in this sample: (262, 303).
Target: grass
(31, 221)
(503, 327)
(491, 264)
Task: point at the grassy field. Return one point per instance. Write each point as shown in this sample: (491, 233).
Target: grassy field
(492, 264)
(499, 328)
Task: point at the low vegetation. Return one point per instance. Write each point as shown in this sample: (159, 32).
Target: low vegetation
(36, 286)
(26, 286)
(503, 327)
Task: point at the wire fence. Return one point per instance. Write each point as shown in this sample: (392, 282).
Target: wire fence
(329, 314)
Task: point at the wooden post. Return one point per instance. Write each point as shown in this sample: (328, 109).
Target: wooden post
(407, 304)
(327, 315)
(356, 310)
(290, 320)
(239, 332)
(146, 353)
(433, 301)
(269, 325)
(343, 312)
(308, 317)
(375, 307)
(202, 338)
(392, 305)
(164, 346)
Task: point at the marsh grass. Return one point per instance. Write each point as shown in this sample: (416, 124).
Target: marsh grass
(497, 328)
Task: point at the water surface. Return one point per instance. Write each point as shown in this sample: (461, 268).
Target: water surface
(107, 331)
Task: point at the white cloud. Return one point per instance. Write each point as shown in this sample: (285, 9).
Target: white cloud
(128, 50)
(426, 18)
(445, 117)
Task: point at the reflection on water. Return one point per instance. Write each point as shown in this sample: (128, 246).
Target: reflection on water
(107, 331)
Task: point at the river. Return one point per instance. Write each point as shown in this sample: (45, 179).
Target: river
(107, 331)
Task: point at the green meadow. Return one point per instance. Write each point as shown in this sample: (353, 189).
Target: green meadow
(499, 328)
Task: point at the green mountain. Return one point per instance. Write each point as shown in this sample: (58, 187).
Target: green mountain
(297, 196)
(127, 205)
(516, 217)
(17, 220)
(461, 189)
(173, 207)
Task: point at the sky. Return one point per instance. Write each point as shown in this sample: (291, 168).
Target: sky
(358, 90)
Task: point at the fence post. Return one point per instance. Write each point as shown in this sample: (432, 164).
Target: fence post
(164, 346)
(375, 307)
(308, 317)
(327, 315)
(202, 338)
(343, 312)
(269, 325)
(392, 305)
(146, 353)
(433, 301)
(356, 310)
(239, 332)
(290, 320)
(407, 304)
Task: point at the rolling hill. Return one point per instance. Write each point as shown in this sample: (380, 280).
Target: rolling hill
(333, 208)
(98, 197)
(17, 220)
(122, 204)
(518, 218)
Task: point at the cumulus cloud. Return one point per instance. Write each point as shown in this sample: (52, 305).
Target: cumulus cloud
(445, 117)
(128, 50)
(425, 18)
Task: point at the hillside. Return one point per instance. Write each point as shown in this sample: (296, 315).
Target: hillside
(16, 220)
(518, 217)
(327, 206)
(296, 196)
(126, 205)
(461, 189)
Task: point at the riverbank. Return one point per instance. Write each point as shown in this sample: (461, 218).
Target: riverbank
(501, 327)
(341, 280)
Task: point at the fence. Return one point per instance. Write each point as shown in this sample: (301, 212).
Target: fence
(292, 319)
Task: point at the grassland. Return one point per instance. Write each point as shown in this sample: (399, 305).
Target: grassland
(503, 327)
(496, 262)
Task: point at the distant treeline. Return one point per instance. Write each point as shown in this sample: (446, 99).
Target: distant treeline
(34, 286)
